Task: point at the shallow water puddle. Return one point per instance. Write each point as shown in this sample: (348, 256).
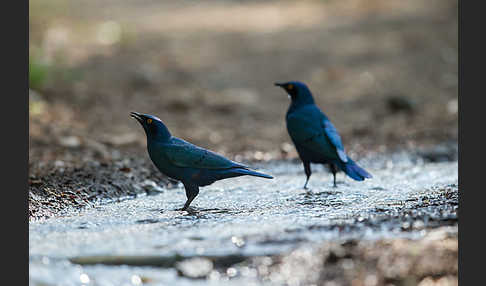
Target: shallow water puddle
(141, 241)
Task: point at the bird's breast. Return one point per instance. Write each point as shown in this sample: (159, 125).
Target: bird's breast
(160, 160)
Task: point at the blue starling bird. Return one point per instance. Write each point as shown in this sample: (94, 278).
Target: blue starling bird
(314, 136)
(180, 160)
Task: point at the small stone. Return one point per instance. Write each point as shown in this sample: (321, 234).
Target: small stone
(84, 278)
(231, 272)
(418, 224)
(286, 147)
(59, 163)
(196, 268)
(400, 103)
(136, 280)
(151, 188)
(125, 169)
(238, 241)
(70, 141)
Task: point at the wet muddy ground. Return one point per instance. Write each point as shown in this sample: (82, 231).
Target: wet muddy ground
(81, 177)
(399, 228)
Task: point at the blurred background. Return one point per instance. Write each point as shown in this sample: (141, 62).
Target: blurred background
(384, 71)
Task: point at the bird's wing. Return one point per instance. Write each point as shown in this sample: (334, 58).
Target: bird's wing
(311, 129)
(335, 139)
(184, 154)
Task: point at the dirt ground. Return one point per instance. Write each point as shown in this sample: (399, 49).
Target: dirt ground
(430, 261)
(385, 72)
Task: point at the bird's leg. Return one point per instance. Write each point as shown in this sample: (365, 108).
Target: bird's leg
(334, 171)
(308, 173)
(191, 193)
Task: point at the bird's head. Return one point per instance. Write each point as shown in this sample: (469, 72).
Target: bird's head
(153, 126)
(297, 91)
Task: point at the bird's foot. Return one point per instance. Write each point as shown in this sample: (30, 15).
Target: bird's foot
(308, 191)
(187, 209)
(335, 184)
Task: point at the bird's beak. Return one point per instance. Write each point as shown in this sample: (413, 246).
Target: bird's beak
(279, 84)
(137, 116)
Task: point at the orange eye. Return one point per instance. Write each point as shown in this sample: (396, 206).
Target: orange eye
(149, 120)
(290, 86)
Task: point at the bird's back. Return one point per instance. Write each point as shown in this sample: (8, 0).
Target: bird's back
(183, 154)
(304, 121)
(305, 125)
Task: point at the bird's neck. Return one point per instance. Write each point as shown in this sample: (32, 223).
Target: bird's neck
(157, 139)
(295, 105)
(302, 99)
(158, 133)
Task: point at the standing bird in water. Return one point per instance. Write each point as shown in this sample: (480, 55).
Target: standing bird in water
(192, 165)
(314, 136)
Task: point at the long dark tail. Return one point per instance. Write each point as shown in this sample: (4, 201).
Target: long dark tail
(354, 171)
(241, 172)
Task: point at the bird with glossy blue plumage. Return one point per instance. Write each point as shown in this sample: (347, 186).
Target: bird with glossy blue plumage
(180, 160)
(314, 136)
